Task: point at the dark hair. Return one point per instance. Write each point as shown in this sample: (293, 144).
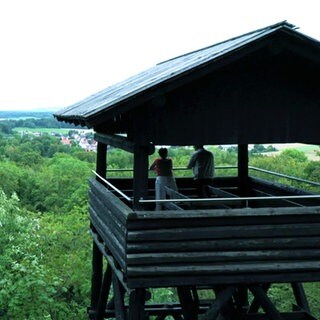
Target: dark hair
(163, 152)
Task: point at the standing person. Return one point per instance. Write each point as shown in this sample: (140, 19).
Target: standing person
(163, 168)
(202, 164)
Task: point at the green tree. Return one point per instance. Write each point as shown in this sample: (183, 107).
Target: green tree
(296, 155)
(10, 177)
(25, 292)
(66, 246)
(56, 185)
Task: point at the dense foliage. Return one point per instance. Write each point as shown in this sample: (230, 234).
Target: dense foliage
(45, 247)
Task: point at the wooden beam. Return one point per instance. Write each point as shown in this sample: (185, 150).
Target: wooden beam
(243, 161)
(265, 302)
(255, 304)
(140, 175)
(120, 142)
(137, 304)
(120, 310)
(104, 293)
(101, 161)
(189, 302)
(223, 297)
(96, 277)
(300, 296)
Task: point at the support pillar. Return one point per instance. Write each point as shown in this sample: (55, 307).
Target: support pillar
(104, 293)
(222, 299)
(118, 291)
(136, 304)
(265, 302)
(140, 175)
(97, 257)
(300, 296)
(189, 302)
(101, 162)
(96, 277)
(243, 170)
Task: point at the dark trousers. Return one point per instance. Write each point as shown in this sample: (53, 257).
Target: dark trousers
(202, 187)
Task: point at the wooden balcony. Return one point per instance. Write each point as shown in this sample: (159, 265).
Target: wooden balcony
(258, 241)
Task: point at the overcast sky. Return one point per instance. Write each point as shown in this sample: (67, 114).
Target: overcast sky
(56, 52)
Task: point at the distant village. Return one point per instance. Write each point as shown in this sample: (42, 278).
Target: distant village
(83, 138)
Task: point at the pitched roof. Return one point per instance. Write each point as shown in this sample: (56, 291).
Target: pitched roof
(135, 86)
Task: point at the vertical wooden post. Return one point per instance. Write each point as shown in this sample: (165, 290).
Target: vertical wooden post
(96, 277)
(241, 298)
(189, 302)
(300, 296)
(137, 304)
(120, 309)
(222, 299)
(101, 162)
(104, 293)
(140, 175)
(243, 170)
(97, 258)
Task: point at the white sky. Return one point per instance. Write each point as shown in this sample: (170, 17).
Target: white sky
(56, 52)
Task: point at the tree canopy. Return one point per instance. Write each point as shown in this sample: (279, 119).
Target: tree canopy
(45, 247)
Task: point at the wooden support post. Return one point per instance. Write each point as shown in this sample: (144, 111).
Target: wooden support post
(243, 173)
(136, 304)
(97, 258)
(255, 304)
(265, 302)
(222, 298)
(104, 293)
(189, 302)
(119, 306)
(241, 298)
(101, 162)
(96, 277)
(300, 296)
(140, 177)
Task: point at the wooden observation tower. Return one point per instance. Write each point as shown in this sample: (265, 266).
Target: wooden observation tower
(261, 87)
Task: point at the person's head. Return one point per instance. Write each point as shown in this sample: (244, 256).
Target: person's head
(198, 146)
(163, 152)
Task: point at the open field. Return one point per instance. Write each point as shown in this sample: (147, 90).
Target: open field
(42, 130)
(48, 130)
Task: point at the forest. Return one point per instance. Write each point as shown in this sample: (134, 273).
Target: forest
(45, 246)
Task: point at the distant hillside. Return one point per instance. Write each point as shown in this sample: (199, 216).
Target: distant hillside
(24, 114)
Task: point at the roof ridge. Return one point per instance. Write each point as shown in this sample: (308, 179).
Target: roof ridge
(283, 23)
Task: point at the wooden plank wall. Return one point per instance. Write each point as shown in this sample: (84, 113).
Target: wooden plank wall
(108, 216)
(201, 247)
(207, 247)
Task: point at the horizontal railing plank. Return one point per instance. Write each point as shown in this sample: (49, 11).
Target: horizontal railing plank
(143, 281)
(225, 232)
(224, 245)
(224, 268)
(222, 256)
